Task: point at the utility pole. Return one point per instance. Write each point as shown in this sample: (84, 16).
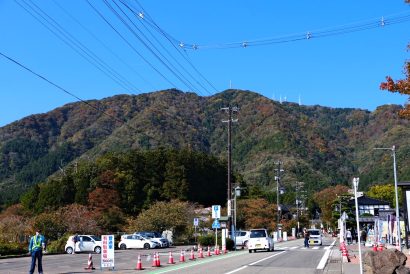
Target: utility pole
(230, 110)
(277, 178)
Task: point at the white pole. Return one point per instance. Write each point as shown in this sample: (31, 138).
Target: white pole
(355, 185)
(397, 200)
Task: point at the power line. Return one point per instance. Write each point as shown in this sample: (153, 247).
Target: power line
(103, 44)
(143, 15)
(75, 96)
(333, 31)
(148, 45)
(129, 44)
(48, 22)
(140, 16)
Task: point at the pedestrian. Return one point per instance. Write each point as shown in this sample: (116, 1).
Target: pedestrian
(363, 236)
(306, 236)
(75, 240)
(36, 247)
(349, 237)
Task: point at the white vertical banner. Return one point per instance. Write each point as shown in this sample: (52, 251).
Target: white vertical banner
(408, 209)
(107, 251)
(224, 233)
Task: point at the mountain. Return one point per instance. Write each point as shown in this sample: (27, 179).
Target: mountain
(320, 146)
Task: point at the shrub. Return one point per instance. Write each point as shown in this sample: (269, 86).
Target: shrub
(13, 249)
(58, 245)
(209, 240)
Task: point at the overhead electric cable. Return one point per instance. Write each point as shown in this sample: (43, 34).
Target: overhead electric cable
(129, 44)
(136, 15)
(150, 46)
(75, 96)
(151, 22)
(103, 44)
(74, 44)
(340, 30)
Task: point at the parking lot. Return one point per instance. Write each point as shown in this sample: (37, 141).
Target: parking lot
(125, 261)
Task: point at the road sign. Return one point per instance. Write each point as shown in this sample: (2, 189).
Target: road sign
(216, 211)
(216, 224)
(196, 221)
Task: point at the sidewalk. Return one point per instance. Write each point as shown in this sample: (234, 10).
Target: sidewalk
(336, 265)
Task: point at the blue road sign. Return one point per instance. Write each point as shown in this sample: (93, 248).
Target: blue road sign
(216, 224)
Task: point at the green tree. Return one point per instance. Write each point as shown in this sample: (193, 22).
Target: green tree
(385, 193)
(174, 215)
(325, 199)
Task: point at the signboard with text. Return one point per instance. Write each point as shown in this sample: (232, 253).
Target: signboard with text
(216, 211)
(107, 251)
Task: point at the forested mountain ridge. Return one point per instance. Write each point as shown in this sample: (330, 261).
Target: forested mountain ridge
(318, 145)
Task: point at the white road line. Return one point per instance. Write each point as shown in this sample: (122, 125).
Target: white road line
(325, 257)
(315, 247)
(245, 266)
(293, 247)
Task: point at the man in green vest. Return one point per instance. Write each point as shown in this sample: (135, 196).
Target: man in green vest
(35, 248)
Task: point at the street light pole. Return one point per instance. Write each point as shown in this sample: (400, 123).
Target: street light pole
(277, 178)
(355, 186)
(398, 241)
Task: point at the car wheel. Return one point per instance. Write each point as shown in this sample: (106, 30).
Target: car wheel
(146, 246)
(245, 244)
(250, 250)
(97, 249)
(123, 246)
(69, 250)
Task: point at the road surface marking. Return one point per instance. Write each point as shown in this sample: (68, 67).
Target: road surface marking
(293, 247)
(245, 266)
(190, 264)
(325, 257)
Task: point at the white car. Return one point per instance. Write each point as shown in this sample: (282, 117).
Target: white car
(259, 240)
(242, 238)
(315, 236)
(86, 243)
(136, 241)
(155, 237)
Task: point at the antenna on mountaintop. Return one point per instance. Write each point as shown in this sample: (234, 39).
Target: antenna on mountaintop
(230, 84)
(280, 99)
(300, 101)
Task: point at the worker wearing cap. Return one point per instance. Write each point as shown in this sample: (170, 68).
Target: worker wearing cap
(35, 248)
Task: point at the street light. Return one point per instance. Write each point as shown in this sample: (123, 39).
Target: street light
(237, 193)
(393, 149)
(355, 186)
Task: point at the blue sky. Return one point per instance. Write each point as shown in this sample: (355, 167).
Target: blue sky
(336, 71)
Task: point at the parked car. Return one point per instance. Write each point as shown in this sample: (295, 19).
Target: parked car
(155, 236)
(136, 241)
(242, 238)
(315, 236)
(259, 240)
(87, 243)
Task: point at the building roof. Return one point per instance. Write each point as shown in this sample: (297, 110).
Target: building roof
(365, 200)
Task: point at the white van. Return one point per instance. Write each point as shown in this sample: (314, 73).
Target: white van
(259, 240)
(315, 236)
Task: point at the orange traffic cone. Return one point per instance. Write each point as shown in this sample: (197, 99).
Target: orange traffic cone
(154, 260)
(380, 247)
(139, 264)
(158, 261)
(182, 257)
(170, 258)
(90, 263)
(201, 254)
(192, 257)
(375, 247)
(209, 251)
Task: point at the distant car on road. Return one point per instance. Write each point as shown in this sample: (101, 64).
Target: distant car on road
(259, 240)
(87, 243)
(154, 236)
(242, 238)
(315, 236)
(136, 241)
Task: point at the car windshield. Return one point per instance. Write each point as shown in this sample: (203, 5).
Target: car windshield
(96, 238)
(258, 233)
(314, 232)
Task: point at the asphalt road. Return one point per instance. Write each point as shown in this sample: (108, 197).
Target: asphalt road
(288, 257)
